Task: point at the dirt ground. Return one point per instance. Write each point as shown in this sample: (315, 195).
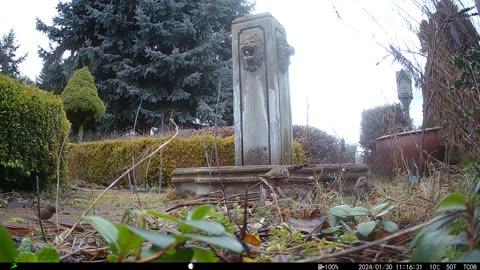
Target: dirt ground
(18, 208)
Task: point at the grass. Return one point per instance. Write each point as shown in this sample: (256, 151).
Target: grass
(280, 238)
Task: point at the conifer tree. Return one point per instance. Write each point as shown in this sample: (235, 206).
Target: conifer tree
(170, 56)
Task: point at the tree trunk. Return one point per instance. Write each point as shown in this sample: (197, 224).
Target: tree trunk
(80, 133)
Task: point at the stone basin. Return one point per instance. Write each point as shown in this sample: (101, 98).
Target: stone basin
(200, 180)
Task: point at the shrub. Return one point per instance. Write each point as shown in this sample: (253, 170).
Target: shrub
(81, 99)
(380, 121)
(34, 126)
(318, 145)
(102, 162)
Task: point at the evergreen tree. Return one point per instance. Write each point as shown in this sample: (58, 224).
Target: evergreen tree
(8, 58)
(170, 56)
(81, 100)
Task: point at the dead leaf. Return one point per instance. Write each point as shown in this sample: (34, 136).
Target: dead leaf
(253, 239)
(307, 225)
(372, 196)
(314, 213)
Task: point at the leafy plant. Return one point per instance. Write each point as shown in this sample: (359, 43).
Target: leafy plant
(188, 239)
(343, 216)
(457, 227)
(283, 238)
(24, 253)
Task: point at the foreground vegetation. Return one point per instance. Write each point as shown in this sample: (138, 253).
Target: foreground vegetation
(432, 220)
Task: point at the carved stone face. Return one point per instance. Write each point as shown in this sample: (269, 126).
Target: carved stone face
(251, 48)
(284, 51)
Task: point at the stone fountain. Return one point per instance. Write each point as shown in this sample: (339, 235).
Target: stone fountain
(262, 116)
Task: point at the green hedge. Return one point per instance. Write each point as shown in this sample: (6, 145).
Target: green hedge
(102, 162)
(33, 126)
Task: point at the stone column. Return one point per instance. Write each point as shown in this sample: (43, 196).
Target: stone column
(261, 92)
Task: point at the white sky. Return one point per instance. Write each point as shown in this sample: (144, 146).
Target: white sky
(334, 66)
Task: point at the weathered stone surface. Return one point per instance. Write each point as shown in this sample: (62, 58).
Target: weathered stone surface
(202, 180)
(263, 118)
(262, 113)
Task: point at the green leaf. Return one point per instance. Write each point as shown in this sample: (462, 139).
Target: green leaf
(453, 201)
(158, 239)
(460, 239)
(180, 254)
(106, 229)
(359, 211)
(7, 248)
(128, 241)
(25, 245)
(437, 223)
(389, 226)
(184, 228)
(200, 212)
(334, 220)
(431, 246)
(477, 188)
(340, 210)
(469, 257)
(349, 238)
(204, 255)
(331, 229)
(223, 241)
(365, 228)
(165, 216)
(26, 257)
(48, 254)
(207, 226)
(112, 257)
(382, 209)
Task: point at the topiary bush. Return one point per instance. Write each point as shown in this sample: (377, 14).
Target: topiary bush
(102, 162)
(81, 99)
(34, 126)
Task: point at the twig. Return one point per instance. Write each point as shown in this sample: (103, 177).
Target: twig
(85, 249)
(209, 168)
(157, 255)
(200, 202)
(133, 155)
(38, 209)
(160, 173)
(58, 175)
(121, 176)
(244, 228)
(216, 151)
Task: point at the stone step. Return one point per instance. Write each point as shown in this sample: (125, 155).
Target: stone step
(200, 180)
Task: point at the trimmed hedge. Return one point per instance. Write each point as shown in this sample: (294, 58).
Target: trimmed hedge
(34, 125)
(102, 162)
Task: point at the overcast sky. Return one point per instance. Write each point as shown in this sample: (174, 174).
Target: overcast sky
(337, 70)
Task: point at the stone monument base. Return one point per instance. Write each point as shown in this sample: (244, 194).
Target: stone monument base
(236, 179)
